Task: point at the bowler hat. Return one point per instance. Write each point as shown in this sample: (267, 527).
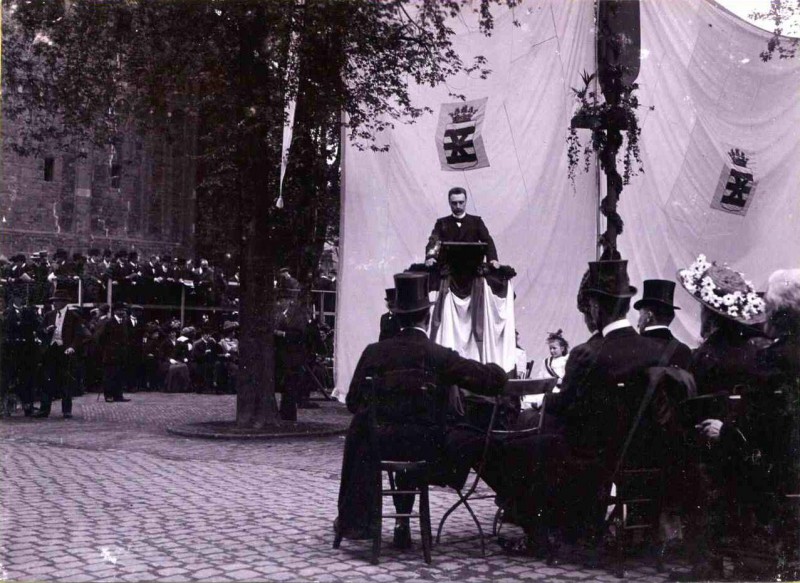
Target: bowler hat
(60, 295)
(610, 278)
(411, 293)
(657, 291)
(229, 325)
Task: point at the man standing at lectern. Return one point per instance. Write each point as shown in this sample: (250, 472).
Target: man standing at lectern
(461, 228)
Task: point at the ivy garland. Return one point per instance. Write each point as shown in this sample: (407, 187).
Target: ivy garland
(594, 115)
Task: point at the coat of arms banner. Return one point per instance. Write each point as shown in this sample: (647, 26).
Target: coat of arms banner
(459, 135)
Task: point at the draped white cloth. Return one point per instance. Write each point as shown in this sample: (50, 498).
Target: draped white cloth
(709, 93)
(457, 329)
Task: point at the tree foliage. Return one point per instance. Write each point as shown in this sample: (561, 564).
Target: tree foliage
(76, 71)
(784, 14)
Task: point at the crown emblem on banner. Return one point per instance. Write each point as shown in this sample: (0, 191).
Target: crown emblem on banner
(738, 157)
(462, 114)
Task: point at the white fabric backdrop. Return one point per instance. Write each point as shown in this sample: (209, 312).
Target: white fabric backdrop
(711, 91)
(701, 72)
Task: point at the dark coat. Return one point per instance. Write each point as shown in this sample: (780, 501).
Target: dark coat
(73, 333)
(291, 350)
(682, 357)
(472, 230)
(596, 410)
(114, 342)
(724, 361)
(390, 327)
(415, 432)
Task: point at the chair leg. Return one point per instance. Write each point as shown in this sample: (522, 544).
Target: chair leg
(425, 522)
(377, 525)
(337, 538)
(447, 514)
(477, 523)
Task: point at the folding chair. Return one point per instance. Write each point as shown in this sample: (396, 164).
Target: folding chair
(513, 388)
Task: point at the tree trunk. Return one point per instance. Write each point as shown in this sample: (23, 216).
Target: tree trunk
(259, 154)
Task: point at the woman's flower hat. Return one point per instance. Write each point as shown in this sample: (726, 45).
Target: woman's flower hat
(723, 290)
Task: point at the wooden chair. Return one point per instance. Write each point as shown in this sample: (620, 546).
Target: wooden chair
(393, 467)
(513, 388)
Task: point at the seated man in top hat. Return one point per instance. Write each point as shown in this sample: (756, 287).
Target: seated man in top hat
(459, 227)
(416, 432)
(599, 399)
(656, 313)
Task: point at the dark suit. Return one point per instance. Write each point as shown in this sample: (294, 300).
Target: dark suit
(114, 342)
(57, 366)
(682, 357)
(560, 472)
(389, 327)
(415, 433)
(472, 230)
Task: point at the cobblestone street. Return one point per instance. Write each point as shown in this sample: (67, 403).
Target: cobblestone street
(111, 496)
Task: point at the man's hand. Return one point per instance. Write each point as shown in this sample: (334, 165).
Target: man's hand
(280, 333)
(710, 428)
(430, 262)
(69, 351)
(495, 264)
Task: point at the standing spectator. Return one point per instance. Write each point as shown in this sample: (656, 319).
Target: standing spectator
(136, 371)
(114, 343)
(291, 354)
(286, 283)
(390, 326)
(62, 334)
(21, 348)
(228, 363)
(93, 276)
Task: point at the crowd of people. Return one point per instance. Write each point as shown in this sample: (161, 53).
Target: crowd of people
(58, 349)
(721, 420)
(157, 279)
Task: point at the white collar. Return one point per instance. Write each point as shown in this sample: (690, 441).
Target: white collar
(63, 311)
(461, 218)
(423, 330)
(618, 325)
(656, 327)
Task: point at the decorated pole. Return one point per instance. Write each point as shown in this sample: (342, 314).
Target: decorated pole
(618, 47)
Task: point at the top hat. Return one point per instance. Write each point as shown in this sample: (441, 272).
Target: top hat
(94, 252)
(583, 299)
(119, 306)
(657, 291)
(610, 278)
(60, 295)
(411, 293)
(391, 294)
(60, 254)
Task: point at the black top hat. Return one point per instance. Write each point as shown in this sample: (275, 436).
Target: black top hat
(107, 253)
(121, 254)
(60, 295)
(60, 254)
(391, 294)
(133, 256)
(657, 291)
(94, 252)
(610, 278)
(411, 293)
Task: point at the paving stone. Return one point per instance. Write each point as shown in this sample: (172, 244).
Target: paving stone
(173, 509)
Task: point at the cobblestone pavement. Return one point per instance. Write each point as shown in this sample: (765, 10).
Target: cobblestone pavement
(111, 496)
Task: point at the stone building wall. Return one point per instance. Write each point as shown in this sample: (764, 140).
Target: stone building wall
(138, 195)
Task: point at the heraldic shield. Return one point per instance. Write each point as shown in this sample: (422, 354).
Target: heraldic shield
(459, 135)
(737, 184)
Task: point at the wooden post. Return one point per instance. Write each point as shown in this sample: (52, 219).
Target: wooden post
(80, 293)
(110, 293)
(183, 304)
